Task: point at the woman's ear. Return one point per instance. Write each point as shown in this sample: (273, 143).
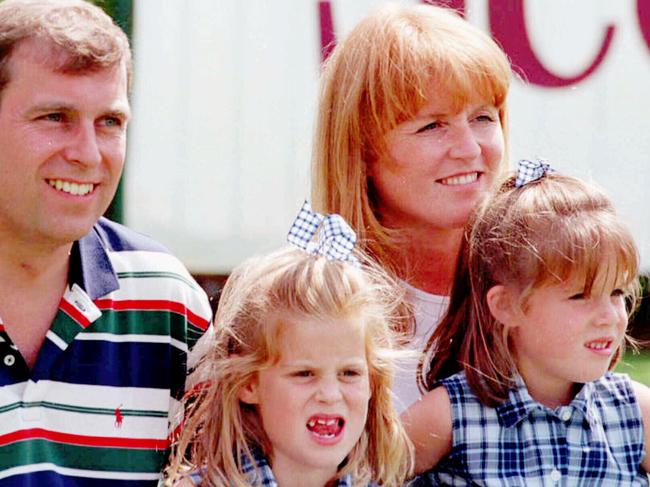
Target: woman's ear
(503, 305)
(248, 393)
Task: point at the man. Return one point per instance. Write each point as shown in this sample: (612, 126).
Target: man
(95, 320)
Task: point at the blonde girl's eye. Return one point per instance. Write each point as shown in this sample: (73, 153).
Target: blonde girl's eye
(618, 293)
(352, 373)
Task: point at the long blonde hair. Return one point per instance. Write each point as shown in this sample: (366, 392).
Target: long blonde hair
(378, 77)
(219, 428)
(545, 232)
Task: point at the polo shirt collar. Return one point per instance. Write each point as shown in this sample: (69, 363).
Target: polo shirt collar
(90, 266)
(520, 405)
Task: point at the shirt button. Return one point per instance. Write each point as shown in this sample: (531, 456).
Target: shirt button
(566, 415)
(556, 475)
(9, 360)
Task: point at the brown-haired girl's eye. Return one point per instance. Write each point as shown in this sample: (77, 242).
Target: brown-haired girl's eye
(580, 295)
(302, 373)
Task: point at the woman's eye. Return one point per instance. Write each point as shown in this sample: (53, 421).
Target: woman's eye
(429, 126)
(485, 118)
(618, 292)
(577, 296)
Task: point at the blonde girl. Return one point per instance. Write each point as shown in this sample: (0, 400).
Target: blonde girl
(541, 301)
(410, 134)
(297, 382)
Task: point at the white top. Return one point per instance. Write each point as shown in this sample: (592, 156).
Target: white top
(428, 309)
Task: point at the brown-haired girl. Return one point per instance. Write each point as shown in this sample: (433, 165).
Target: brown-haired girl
(411, 132)
(299, 374)
(536, 322)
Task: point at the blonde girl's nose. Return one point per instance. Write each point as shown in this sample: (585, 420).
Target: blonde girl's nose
(329, 390)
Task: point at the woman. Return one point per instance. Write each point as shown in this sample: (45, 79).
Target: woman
(411, 133)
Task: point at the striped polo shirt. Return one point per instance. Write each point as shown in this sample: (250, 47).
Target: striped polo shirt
(103, 396)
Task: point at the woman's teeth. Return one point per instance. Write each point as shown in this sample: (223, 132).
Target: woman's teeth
(458, 180)
(77, 189)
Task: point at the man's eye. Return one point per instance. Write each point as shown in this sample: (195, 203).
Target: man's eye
(112, 122)
(53, 117)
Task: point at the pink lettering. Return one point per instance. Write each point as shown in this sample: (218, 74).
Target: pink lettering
(327, 34)
(643, 13)
(458, 5)
(508, 26)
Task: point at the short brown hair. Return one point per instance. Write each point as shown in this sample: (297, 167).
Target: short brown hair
(378, 77)
(546, 232)
(86, 36)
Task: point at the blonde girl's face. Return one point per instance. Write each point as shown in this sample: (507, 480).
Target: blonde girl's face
(566, 336)
(439, 164)
(313, 403)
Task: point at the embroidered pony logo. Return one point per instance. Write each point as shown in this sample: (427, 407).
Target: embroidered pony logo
(118, 417)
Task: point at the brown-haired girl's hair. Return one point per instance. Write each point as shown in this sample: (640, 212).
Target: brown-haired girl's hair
(291, 283)
(379, 76)
(545, 232)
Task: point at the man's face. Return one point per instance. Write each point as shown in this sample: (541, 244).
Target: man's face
(62, 147)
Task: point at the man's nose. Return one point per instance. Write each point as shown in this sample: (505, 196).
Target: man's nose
(83, 146)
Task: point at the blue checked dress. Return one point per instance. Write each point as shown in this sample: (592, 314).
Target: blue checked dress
(262, 476)
(596, 440)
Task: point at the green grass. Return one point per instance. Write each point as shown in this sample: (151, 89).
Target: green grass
(637, 365)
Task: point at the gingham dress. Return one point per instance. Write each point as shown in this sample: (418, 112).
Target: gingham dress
(596, 440)
(262, 476)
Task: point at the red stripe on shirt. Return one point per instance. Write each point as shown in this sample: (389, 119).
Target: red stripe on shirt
(68, 438)
(74, 313)
(153, 305)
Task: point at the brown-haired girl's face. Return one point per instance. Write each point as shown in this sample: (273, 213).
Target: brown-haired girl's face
(313, 402)
(566, 335)
(439, 164)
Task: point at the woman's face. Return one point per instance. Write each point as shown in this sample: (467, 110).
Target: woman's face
(438, 165)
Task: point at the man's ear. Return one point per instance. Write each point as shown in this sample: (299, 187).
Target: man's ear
(248, 393)
(504, 306)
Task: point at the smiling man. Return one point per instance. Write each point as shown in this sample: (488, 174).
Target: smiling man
(95, 320)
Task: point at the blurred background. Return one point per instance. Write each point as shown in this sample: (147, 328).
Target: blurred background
(225, 93)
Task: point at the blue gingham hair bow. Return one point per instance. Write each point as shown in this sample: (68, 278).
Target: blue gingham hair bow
(528, 171)
(335, 237)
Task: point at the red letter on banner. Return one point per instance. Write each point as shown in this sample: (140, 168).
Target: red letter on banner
(508, 26)
(643, 13)
(327, 35)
